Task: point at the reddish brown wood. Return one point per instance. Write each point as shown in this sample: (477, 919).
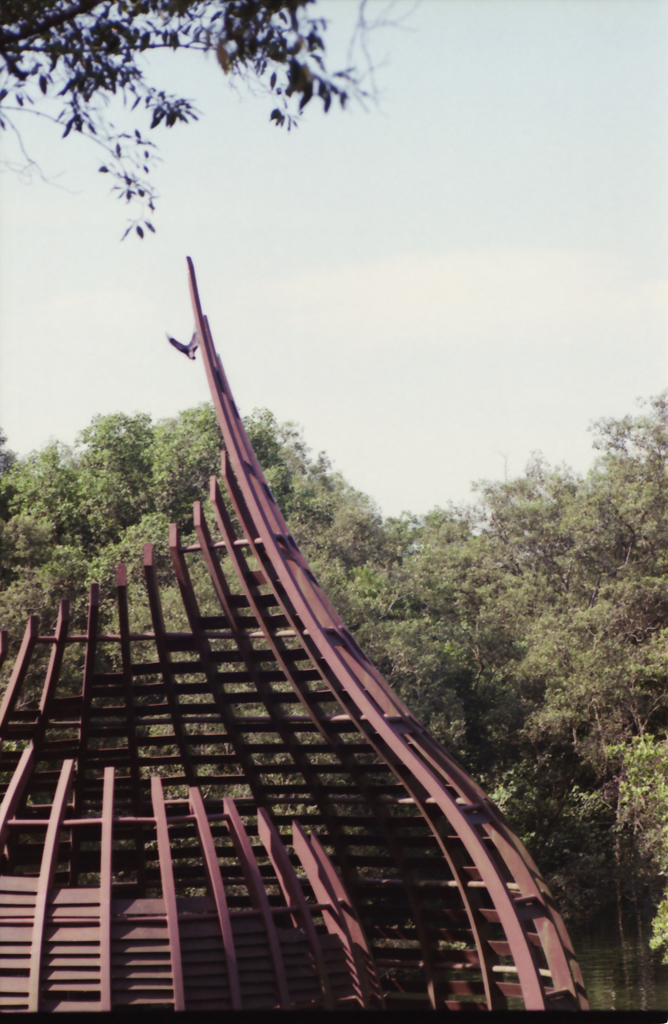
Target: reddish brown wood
(202, 643)
(106, 852)
(4, 645)
(20, 668)
(258, 898)
(325, 724)
(86, 698)
(264, 711)
(46, 875)
(373, 701)
(168, 891)
(217, 890)
(14, 792)
(164, 659)
(130, 718)
(336, 918)
(250, 588)
(294, 896)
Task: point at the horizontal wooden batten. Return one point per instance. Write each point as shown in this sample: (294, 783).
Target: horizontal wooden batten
(221, 816)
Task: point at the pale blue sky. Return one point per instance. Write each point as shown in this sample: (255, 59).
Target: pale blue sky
(471, 270)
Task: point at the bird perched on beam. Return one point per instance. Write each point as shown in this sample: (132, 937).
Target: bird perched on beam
(188, 350)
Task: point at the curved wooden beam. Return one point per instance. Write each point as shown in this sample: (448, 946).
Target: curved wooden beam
(261, 715)
(429, 774)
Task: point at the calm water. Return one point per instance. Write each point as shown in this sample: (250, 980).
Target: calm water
(620, 970)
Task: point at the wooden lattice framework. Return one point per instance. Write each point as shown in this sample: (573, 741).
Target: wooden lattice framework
(247, 816)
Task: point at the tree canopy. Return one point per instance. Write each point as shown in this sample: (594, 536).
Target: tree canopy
(64, 59)
(529, 631)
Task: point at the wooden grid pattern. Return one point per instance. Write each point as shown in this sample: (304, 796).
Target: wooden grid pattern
(243, 814)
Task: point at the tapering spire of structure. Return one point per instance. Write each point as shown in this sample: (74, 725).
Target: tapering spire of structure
(243, 815)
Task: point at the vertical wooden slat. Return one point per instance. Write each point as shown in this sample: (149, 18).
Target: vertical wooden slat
(258, 896)
(276, 645)
(343, 899)
(336, 919)
(292, 891)
(440, 790)
(47, 871)
(86, 698)
(320, 718)
(15, 789)
(246, 762)
(168, 890)
(133, 750)
(105, 888)
(218, 891)
(51, 679)
(373, 706)
(53, 670)
(20, 668)
(371, 700)
(4, 646)
(165, 664)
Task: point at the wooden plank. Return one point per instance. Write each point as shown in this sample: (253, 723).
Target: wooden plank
(222, 706)
(126, 660)
(10, 802)
(337, 919)
(19, 671)
(66, 933)
(14, 934)
(71, 1006)
(139, 906)
(4, 645)
(509, 988)
(106, 848)
(53, 972)
(9, 912)
(51, 961)
(258, 897)
(284, 657)
(52, 672)
(13, 985)
(84, 727)
(17, 883)
(67, 897)
(218, 892)
(85, 912)
(294, 895)
(166, 672)
(168, 891)
(47, 871)
(129, 998)
(279, 576)
(281, 560)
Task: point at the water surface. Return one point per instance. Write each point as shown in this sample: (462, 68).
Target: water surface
(620, 971)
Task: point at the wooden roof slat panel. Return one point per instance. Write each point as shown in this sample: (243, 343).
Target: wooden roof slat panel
(281, 560)
(451, 869)
(47, 871)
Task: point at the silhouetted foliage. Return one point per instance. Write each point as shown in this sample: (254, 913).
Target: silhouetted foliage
(64, 59)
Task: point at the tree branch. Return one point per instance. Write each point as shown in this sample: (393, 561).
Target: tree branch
(27, 30)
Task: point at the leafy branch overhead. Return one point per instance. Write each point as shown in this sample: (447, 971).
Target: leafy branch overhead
(64, 59)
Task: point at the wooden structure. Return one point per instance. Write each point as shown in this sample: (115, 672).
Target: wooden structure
(242, 814)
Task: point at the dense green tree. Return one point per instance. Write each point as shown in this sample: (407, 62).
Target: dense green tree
(7, 459)
(528, 631)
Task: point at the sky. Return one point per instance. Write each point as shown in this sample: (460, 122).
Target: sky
(435, 284)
